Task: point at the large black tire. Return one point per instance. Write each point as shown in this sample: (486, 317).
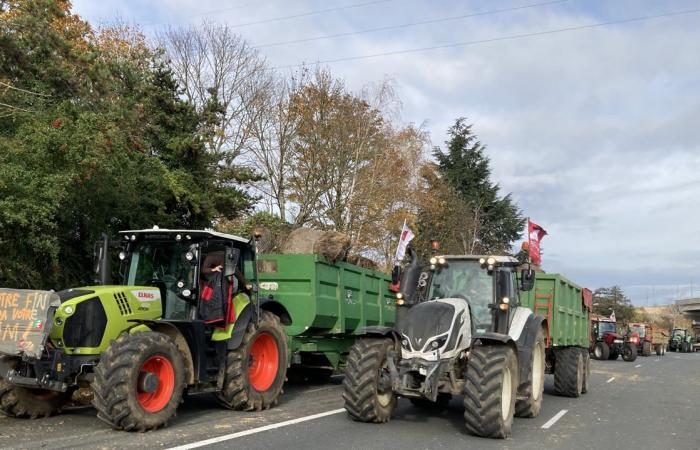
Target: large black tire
(442, 402)
(368, 397)
(601, 351)
(646, 348)
(256, 370)
(629, 352)
(490, 391)
(586, 371)
(569, 372)
(121, 395)
(533, 386)
(657, 349)
(20, 402)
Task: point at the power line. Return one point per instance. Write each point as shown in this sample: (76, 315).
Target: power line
(411, 24)
(496, 39)
(289, 17)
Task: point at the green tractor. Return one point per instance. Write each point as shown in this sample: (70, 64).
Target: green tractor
(681, 341)
(183, 316)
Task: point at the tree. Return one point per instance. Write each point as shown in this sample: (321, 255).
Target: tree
(497, 221)
(609, 299)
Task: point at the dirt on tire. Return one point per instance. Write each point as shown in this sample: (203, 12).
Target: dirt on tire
(365, 401)
(484, 391)
(238, 392)
(115, 387)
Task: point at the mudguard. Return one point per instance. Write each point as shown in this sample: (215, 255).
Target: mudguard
(377, 330)
(240, 327)
(492, 338)
(525, 343)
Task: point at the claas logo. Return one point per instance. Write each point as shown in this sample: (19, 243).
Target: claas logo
(149, 295)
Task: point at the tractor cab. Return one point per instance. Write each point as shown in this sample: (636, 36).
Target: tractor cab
(186, 266)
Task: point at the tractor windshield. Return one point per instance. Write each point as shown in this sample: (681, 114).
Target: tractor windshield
(679, 333)
(606, 327)
(467, 280)
(162, 264)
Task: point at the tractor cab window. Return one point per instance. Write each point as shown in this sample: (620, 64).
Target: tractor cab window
(639, 330)
(467, 280)
(162, 264)
(605, 327)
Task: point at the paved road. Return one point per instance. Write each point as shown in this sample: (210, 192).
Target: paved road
(651, 403)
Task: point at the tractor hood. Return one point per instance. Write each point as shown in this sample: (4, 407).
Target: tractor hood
(25, 321)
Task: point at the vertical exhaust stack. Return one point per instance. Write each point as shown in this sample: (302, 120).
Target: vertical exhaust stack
(104, 271)
(409, 284)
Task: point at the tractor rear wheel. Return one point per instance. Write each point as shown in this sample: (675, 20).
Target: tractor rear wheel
(139, 382)
(21, 402)
(256, 370)
(534, 385)
(629, 352)
(490, 390)
(569, 372)
(601, 351)
(367, 385)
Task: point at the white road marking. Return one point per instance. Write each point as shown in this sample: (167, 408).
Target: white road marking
(273, 426)
(638, 365)
(554, 419)
(320, 389)
(610, 380)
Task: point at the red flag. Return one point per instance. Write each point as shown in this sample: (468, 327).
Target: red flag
(535, 233)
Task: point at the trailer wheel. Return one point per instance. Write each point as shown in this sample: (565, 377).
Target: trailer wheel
(601, 351)
(586, 371)
(21, 402)
(569, 372)
(256, 370)
(139, 382)
(646, 348)
(657, 349)
(629, 352)
(490, 390)
(367, 385)
(534, 385)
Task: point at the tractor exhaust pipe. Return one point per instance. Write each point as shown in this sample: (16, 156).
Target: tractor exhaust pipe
(103, 269)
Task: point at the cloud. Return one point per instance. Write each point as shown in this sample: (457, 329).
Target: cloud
(594, 131)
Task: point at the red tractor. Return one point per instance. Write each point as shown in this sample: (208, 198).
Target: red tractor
(607, 343)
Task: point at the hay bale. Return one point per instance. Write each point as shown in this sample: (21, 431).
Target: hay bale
(330, 244)
(361, 261)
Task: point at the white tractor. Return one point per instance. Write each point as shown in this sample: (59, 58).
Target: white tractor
(459, 331)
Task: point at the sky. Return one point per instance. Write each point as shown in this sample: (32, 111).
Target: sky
(594, 129)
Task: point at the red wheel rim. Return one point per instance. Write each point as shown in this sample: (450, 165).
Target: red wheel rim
(161, 367)
(264, 362)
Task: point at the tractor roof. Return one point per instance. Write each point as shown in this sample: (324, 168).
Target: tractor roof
(508, 260)
(197, 234)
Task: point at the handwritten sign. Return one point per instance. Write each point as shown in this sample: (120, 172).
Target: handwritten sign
(24, 321)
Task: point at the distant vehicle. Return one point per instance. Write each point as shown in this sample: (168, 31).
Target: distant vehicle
(606, 343)
(681, 341)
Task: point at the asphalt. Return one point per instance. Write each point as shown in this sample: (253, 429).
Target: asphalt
(653, 403)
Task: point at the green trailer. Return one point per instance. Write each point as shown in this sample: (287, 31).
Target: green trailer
(329, 305)
(566, 308)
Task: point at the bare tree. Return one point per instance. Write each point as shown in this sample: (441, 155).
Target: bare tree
(210, 60)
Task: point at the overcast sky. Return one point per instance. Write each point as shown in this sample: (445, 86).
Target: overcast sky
(595, 131)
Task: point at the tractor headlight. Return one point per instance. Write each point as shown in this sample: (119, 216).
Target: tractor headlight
(178, 237)
(189, 256)
(122, 256)
(68, 309)
(503, 306)
(482, 261)
(180, 284)
(491, 261)
(442, 261)
(433, 261)
(505, 300)
(133, 237)
(186, 292)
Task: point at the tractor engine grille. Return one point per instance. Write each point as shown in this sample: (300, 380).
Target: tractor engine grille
(86, 326)
(122, 303)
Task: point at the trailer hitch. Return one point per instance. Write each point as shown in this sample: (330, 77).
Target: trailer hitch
(13, 377)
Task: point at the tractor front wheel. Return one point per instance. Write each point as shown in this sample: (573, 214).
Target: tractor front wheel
(367, 385)
(629, 352)
(490, 390)
(533, 386)
(601, 351)
(256, 370)
(139, 382)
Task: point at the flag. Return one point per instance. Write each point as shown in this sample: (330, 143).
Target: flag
(612, 317)
(406, 237)
(535, 233)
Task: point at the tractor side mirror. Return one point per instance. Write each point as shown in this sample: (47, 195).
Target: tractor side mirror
(527, 279)
(231, 261)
